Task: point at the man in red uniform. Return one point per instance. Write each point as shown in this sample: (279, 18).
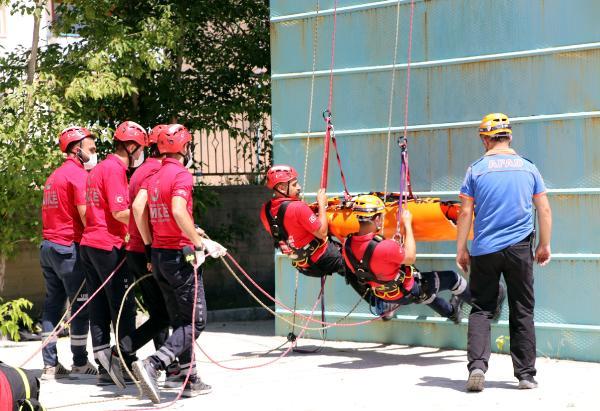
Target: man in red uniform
(103, 247)
(139, 258)
(385, 266)
(168, 196)
(63, 219)
(296, 230)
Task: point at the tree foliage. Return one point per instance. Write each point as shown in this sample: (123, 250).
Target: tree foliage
(30, 118)
(201, 63)
(13, 315)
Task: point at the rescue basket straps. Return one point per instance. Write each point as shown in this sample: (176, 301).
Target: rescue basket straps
(59, 329)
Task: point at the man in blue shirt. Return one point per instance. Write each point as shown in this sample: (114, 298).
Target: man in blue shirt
(501, 189)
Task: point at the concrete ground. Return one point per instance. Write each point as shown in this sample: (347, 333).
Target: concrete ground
(342, 376)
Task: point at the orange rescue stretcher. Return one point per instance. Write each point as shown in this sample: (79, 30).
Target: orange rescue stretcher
(433, 219)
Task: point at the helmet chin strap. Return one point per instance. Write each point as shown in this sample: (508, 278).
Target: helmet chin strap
(130, 155)
(287, 191)
(79, 154)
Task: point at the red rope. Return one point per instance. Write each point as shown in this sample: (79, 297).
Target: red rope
(286, 352)
(404, 168)
(410, 33)
(325, 169)
(347, 195)
(192, 361)
(332, 56)
(282, 305)
(59, 329)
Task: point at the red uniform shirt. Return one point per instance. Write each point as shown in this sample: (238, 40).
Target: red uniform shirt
(171, 180)
(150, 167)
(299, 222)
(386, 259)
(106, 193)
(63, 192)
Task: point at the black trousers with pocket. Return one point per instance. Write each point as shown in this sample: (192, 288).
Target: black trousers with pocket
(515, 263)
(156, 327)
(98, 265)
(178, 280)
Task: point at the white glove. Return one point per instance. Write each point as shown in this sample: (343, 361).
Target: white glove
(214, 249)
(200, 257)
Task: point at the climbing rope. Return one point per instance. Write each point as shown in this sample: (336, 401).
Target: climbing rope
(62, 326)
(117, 327)
(391, 105)
(282, 305)
(312, 93)
(327, 114)
(403, 143)
(189, 371)
(292, 345)
(67, 311)
(310, 109)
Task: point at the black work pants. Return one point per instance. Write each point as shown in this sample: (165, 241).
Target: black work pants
(156, 328)
(175, 277)
(516, 264)
(63, 275)
(331, 262)
(98, 265)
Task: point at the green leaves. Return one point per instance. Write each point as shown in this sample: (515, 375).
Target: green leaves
(12, 315)
(201, 63)
(31, 117)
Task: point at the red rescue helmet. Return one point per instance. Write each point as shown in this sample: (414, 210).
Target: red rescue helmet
(130, 131)
(155, 132)
(280, 174)
(173, 138)
(72, 134)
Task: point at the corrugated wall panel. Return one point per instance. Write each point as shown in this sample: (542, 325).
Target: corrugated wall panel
(470, 57)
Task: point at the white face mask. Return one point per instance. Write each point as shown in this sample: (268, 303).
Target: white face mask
(138, 161)
(91, 163)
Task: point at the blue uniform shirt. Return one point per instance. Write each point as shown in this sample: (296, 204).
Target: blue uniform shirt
(502, 186)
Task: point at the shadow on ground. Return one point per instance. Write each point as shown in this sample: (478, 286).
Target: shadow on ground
(459, 385)
(380, 355)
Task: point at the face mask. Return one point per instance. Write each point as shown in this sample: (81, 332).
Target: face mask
(92, 161)
(138, 161)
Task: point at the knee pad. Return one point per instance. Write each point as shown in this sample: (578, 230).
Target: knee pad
(430, 285)
(460, 286)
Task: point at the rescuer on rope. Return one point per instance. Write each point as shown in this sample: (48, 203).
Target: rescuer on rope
(386, 267)
(299, 233)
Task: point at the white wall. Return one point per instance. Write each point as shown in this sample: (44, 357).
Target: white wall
(17, 30)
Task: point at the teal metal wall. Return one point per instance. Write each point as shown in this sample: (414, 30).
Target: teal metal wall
(536, 60)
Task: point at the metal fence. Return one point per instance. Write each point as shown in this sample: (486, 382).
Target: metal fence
(239, 155)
